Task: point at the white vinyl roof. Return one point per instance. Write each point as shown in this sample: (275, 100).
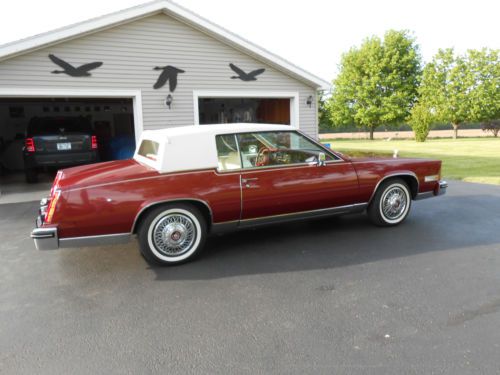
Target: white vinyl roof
(171, 9)
(193, 147)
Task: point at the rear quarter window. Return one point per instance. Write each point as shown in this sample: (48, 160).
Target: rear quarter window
(149, 149)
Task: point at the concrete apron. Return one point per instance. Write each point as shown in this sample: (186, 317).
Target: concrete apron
(13, 189)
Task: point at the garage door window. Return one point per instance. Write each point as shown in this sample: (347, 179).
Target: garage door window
(235, 110)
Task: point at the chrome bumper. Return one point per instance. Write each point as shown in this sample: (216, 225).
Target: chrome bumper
(45, 238)
(443, 185)
(439, 190)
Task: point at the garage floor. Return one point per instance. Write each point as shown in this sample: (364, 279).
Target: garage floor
(14, 189)
(332, 296)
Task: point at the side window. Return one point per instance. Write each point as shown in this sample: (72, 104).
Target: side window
(149, 149)
(277, 148)
(227, 152)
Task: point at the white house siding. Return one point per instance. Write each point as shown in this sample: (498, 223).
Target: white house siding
(130, 51)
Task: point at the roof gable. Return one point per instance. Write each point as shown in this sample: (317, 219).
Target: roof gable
(171, 9)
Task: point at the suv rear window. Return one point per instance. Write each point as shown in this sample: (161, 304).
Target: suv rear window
(57, 125)
(149, 149)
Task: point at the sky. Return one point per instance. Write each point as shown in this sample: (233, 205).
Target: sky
(312, 34)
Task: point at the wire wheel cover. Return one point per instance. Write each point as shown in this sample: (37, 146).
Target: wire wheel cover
(174, 234)
(394, 202)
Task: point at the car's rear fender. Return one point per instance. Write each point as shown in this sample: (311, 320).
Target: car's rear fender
(198, 203)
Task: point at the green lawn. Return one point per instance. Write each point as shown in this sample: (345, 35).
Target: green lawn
(467, 159)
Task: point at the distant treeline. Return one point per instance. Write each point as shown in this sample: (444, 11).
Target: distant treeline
(400, 127)
(383, 84)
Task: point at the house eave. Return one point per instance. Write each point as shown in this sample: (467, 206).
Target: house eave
(23, 46)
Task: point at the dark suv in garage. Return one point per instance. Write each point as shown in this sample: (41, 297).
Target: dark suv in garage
(58, 142)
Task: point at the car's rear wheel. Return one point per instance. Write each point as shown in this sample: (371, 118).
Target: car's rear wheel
(172, 234)
(391, 203)
(31, 175)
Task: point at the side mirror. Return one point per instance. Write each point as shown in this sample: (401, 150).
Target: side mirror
(321, 159)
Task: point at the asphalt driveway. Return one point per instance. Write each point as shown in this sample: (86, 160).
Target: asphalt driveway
(329, 296)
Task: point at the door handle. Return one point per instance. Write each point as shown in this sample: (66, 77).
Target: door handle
(246, 181)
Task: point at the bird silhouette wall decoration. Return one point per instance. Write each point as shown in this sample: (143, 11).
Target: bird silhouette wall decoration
(252, 76)
(169, 73)
(80, 71)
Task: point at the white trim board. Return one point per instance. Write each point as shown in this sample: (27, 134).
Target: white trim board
(135, 95)
(292, 95)
(173, 10)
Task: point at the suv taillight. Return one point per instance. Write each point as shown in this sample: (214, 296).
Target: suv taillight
(29, 143)
(93, 141)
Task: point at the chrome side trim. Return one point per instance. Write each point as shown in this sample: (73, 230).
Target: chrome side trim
(170, 201)
(352, 208)
(106, 239)
(45, 238)
(394, 175)
(424, 195)
(226, 226)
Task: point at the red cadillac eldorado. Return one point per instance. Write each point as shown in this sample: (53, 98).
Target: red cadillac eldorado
(184, 183)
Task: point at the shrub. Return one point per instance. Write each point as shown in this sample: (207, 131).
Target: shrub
(491, 126)
(420, 121)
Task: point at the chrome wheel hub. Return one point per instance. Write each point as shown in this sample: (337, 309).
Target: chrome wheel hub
(174, 234)
(394, 202)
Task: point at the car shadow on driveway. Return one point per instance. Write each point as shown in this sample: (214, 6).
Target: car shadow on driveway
(448, 223)
(466, 218)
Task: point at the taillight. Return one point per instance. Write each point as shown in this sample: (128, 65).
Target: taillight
(52, 206)
(29, 144)
(93, 141)
(55, 184)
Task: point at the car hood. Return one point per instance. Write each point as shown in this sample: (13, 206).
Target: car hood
(103, 173)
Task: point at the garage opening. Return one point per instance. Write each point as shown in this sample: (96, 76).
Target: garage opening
(60, 132)
(233, 110)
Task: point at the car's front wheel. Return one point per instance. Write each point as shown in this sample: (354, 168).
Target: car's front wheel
(391, 203)
(172, 234)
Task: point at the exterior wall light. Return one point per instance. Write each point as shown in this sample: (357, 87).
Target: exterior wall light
(309, 101)
(169, 100)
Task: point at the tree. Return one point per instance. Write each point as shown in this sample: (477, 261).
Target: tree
(484, 66)
(377, 83)
(324, 119)
(459, 89)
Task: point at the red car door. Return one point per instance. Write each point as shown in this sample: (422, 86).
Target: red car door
(285, 178)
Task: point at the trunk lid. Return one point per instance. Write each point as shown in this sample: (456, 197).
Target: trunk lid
(104, 173)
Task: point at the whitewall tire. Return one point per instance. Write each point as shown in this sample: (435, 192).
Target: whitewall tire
(172, 234)
(391, 203)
